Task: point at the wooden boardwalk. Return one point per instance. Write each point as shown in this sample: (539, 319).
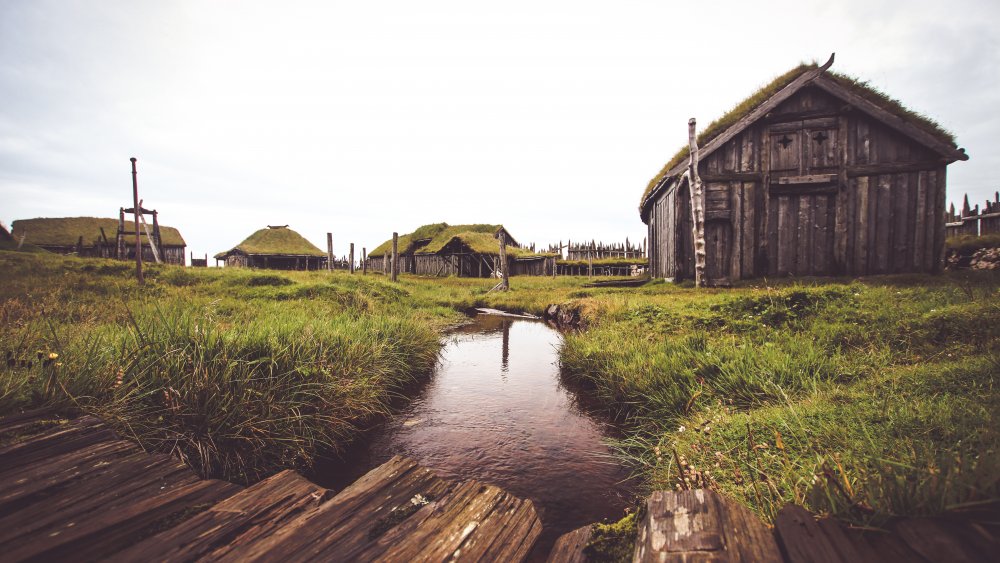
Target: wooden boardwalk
(74, 491)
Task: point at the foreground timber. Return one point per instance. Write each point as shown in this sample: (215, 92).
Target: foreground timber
(72, 490)
(701, 525)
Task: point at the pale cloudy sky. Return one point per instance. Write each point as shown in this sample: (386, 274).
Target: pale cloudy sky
(362, 118)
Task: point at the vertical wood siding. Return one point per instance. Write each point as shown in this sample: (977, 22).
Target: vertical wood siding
(786, 197)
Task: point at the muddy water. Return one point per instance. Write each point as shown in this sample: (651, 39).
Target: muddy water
(496, 410)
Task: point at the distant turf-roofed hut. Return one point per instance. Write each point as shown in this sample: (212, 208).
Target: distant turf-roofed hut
(7, 242)
(816, 174)
(276, 248)
(96, 237)
(473, 251)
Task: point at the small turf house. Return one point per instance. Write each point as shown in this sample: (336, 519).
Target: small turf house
(816, 174)
(97, 237)
(276, 248)
(472, 251)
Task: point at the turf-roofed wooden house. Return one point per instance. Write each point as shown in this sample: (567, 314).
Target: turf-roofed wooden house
(97, 237)
(276, 248)
(470, 251)
(816, 174)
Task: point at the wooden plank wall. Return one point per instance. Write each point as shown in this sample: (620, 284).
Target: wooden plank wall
(813, 189)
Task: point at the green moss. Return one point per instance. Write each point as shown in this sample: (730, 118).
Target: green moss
(66, 231)
(614, 541)
(966, 245)
(278, 240)
(430, 239)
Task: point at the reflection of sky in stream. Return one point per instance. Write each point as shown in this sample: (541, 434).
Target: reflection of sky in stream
(496, 411)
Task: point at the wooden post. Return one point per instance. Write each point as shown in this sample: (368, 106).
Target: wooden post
(138, 241)
(590, 260)
(120, 238)
(364, 261)
(697, 207)
(329, 251)
(505, 284)
(395, 256)
(352, 258)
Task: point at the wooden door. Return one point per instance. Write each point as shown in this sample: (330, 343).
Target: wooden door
(801, 233)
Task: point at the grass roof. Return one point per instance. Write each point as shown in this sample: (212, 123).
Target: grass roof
(8, 242)
(66, 231)
(860, 87)
(480, 238)
(275, 241)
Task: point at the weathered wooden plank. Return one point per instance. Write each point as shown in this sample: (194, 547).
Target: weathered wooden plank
(862, 148)
(104, 532)
(118, 484)
(840, 223)
(80, 433)
(747, 146)
(903, 220)
(930, 236)
(245, 517)
(821, 245)
(349, 517)
(773, 235)
(569, 547)
(736, 240)
(936, 541)
(474, 522)
(883, 225)
(12, 425)
(938, 179)
(803, 232)
(806, 179)
(884, 547)
(36, 483)
(862, 230)
(802, 540)
(701, 526)
(919, 190)
(748, 224)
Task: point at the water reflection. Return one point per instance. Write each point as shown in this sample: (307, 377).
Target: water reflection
(514, 424)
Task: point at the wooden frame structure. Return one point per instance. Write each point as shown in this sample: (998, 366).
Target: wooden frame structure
(823, 177)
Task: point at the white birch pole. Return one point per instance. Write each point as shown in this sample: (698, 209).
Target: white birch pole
(697, 208)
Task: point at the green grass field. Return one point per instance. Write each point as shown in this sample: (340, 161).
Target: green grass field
(859, 398)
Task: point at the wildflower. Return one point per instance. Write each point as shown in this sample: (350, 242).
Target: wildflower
(58, 364)
(53, 355)
(681, 428)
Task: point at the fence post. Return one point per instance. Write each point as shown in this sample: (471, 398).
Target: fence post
(395, 256)
(329, 251)
(505, 284)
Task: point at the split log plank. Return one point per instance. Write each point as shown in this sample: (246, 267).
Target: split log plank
(243, 518)
(936, 540)
(701, 525)
(107, 531)
(569, 547)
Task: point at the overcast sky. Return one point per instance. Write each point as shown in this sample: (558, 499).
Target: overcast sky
(362, 118)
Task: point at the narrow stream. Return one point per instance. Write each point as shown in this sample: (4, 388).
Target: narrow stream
(496, 410)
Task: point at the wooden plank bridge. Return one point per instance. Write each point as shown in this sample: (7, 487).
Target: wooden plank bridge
(73, 490)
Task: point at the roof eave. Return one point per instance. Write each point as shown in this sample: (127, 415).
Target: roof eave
(946, 149)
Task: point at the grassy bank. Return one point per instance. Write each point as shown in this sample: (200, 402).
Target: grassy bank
(860, 399)
(239, 373)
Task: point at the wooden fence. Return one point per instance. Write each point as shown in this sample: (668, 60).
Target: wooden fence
(598, 250)
(972, 221)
